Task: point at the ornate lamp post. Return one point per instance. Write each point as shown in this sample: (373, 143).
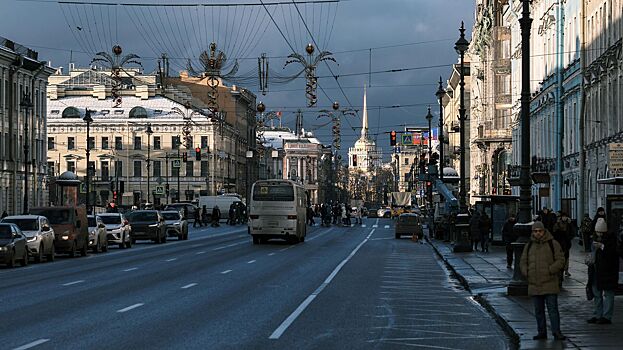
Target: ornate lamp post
(87, 118)
(429, 117)
(26, 104)
(461, 47)
(518, 285)
(149, 131)
(440, 94)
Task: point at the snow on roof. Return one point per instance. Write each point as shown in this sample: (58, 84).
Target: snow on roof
(276, 138)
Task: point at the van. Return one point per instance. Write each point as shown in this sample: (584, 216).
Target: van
(223, 202)
(71, 231)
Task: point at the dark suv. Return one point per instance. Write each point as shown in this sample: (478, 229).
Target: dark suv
(147, 224)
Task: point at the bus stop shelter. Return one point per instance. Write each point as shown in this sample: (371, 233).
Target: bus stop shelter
(498, 208)
(614, 215)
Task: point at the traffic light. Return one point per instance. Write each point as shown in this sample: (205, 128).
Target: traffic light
(185, 157)
(114, 195)
(354, 160)
(197, 153)
(392, 138)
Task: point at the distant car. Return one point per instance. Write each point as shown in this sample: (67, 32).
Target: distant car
(39, 235)
(118, 229)
(148, 225)
(190, 208)
(408, 224)
(176, 225)
(372, 212)
(97, 234)
(12, 245)
(71, 231)
(384, 213)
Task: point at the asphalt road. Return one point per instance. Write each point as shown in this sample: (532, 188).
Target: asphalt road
(344, 288)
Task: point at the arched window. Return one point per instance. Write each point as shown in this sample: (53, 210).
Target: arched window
(71, 112)
(138, 112)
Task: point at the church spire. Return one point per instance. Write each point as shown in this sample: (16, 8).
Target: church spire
(364, 126)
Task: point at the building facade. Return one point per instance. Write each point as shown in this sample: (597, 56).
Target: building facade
(23, 81)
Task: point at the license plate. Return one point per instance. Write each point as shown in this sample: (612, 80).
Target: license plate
(273, 223)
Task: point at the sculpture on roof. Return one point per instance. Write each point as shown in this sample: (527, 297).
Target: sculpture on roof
(116, 63)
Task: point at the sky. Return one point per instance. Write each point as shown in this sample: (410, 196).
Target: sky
(363, 35)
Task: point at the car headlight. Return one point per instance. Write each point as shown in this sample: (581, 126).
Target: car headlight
(153, 225)
(65, 237)
(31, 239)
(177, 223)
(3, 249)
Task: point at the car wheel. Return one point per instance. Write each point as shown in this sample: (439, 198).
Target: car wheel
(105, 246)
(256, 239)
(122, 244)
(302, 239)
(25, 257)
(397, 236)
(39, 256)
(50, 256)
(74, 250)
(85, 248)
(11, 262)
(133, 240)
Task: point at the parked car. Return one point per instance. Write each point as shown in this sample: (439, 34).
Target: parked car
(384, 213)
(12, 245)
(408, 224)
(176, 225)
(190, 208)
(97, 234)
(148, 225)
(71, 231)
(39, 235)
(118, 229)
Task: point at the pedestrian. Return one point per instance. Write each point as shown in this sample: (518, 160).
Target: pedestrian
(563, 234)
(549, 219)
(336, 213)
(216, 216)
(603, 270)
(509, 237)
(586, 231)
(343, 214)
(485, 231)
(4, 214)
(231, 217)
(204, 216)
(310, 215)
(541, 262)
(197, 218)
(474, 229)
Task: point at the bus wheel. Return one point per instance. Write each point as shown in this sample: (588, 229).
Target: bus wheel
(256, 240)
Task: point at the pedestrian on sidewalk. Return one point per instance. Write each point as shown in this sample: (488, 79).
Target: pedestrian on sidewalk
(604, 272)
(586, 231)
(509, 237)
(548, 218)
(474, 229)
(541, 262)
(485, 231)
(563, 234)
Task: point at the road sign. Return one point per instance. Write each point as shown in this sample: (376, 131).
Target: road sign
(159, 190)
(176, 163)
(407, 139)
(615, 158)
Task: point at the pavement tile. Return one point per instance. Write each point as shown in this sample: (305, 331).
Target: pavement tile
(484, 274)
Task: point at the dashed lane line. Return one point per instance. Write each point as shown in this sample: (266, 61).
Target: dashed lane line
(72, 283)
(199, 253)
(225, 272)
(172, 259)
(375, 226)
(271, 254)
(189, 285)
(229, 246)
(131, 307)
(32, 344)
(250, 261)
(386, 226)
(130, 269)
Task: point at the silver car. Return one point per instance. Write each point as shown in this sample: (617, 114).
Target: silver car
(39, 235)
(176, 225)
(97, 234)
(118, 229)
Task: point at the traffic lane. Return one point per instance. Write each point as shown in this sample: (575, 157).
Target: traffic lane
(392, 294)
(95, 298)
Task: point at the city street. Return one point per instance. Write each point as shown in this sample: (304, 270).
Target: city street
(344, 288)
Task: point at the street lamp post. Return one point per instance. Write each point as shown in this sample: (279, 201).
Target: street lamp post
(88, 119)
(440, 94)
(149, 131)
(518, 285)
(26, 104)
(429, 117)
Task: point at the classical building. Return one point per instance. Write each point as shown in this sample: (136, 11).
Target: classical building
(365, 156)
(121, 147)
(23, 81)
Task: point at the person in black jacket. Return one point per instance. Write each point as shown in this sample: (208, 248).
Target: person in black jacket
(605, 276)
(216, 216)
(509, 236)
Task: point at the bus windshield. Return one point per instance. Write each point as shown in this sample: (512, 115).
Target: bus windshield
(273, 193)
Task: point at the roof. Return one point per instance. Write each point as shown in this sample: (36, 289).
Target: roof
(277, 138)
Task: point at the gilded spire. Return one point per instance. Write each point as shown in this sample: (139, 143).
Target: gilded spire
(364, 126)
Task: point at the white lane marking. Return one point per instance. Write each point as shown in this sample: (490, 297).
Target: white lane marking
(32, 344)
(172, 259)
(226, 272)
(375, 226)
(321, 234)
(130, 307)
(386, 226)
(201, 252)
(271, 254)
(229, 245)
(299, 310)
(72, 283)
(250, 262)
(281, 250)
(352, 225)
(363, 225)
(131, 269)
(189, 285)
(377, 221)
(196, 245)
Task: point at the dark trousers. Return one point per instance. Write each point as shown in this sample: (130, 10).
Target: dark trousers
(509, 254)
(551, 300)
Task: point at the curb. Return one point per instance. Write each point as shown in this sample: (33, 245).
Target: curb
(506, 327)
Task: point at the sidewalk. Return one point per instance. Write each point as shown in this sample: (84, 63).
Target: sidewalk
(486, 276)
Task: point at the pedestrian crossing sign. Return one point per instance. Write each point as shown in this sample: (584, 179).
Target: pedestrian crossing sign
(176, 163)
(407, 139)
(159, 190)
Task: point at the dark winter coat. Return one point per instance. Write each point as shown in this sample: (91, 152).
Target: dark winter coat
(474, 226)
(607, 264)
(508, 233)
(549, 220)
(485, 226)
(540, 267)
(563, 233)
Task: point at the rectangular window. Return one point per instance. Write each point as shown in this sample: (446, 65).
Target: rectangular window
(51, 169)
(91, 142)
(175, 172)
(105, 142)
(91, 168)
(71, 166)
(157, 143)
(406, 161)
(189, 168)
(105, 171)
(118, 143)
(204, 168)
(157, 166)
(118, 168)
(175, 142)
(71, 143)
(51, 144)
(138, 169)
(137, 142)
(204, 142)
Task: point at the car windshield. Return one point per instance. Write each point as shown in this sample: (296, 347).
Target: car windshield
(111, 220)
(171, 216)
(408, 219)
(55, 215)
(24, 224)
(139, 216)
(5, 232)
(92, 222)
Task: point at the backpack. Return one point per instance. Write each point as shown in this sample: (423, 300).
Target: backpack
(601, 225)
